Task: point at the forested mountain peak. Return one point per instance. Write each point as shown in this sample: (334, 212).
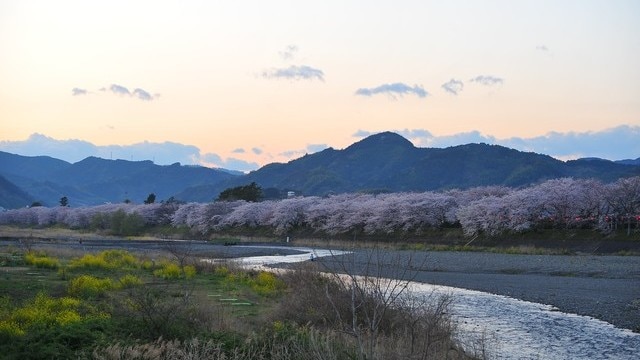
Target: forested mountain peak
(385, 140)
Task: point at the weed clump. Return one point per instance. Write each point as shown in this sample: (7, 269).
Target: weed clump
(128, 281)
(107, 260)
(45, 311)
(41, 260)
(87, 286)
(172, 271)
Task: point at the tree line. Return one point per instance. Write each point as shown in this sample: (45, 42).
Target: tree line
(564, 203)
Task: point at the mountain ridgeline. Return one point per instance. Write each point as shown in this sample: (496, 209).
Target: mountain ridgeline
(384, 162)
(95, 181)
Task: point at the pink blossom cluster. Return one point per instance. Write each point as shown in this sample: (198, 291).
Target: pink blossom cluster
(557, 203)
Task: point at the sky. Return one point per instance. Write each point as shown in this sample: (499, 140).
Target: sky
(240, 84)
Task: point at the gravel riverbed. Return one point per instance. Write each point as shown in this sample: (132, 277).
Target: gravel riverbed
(605, 287)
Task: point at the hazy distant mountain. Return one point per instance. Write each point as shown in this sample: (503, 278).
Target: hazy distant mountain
(94, 180)
(635, 162)
(381, 162)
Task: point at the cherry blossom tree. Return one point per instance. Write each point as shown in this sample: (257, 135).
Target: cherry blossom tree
(623, 199)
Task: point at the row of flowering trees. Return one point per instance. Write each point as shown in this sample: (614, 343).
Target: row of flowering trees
(560, 203)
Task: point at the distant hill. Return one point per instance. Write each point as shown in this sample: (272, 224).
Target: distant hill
(11, 196)
(95, 180)
(389, 162)
(384, 162)
(635, 162)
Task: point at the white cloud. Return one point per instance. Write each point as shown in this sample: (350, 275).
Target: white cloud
(294, 72)
(292, 153)
(119, 90)
(393, 90)
(216, 160)
(289, 52)
(362, 133)
(309, 149)
(314, 148)
(453, 86)
(142, 95)
(614, 144)
(77, 91)
(487, 80)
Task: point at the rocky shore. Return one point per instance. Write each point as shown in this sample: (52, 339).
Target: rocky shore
(601, 286)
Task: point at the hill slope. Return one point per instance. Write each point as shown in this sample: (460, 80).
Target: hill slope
(389, 162)
(381, 162)
(12, 196)
(94, 180)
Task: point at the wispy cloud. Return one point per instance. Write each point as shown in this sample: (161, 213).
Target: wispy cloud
(294, 72)
(362, 133)
(614, 144)
(238, 151)
(543, 48)
(256, 150)
(487, 80)
(393, 90)
(77, 92)
(74, 150)
(309, 149)
(314, 148)
(142, 95)
(415, 133)
(119, 90)
(453, 86)
(229, 163)
(292, 153)
(289, 52)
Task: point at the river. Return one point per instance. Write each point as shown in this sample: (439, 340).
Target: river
(502, 327)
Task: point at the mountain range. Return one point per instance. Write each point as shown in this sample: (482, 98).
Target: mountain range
(385, 162)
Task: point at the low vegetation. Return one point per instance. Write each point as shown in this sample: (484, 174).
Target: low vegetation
(118, 305)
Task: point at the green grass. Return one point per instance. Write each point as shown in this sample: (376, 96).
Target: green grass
(115, 296)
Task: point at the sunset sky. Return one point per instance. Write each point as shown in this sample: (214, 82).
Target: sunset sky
(240, 84)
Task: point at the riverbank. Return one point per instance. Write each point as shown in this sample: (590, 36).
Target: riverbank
(606, 287)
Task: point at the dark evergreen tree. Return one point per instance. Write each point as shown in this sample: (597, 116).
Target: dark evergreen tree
(251, 192)
(150, 199)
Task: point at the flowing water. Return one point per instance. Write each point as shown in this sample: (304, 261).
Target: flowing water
(500, 327)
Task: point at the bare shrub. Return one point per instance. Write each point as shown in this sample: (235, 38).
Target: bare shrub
(266, 346)
(159, 310)
(162, 349)
(381, 318)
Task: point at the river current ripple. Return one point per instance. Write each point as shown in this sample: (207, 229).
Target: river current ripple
(501, 327)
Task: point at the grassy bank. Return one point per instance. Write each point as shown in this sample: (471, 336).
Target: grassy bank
(550, 241)
(118, 305)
